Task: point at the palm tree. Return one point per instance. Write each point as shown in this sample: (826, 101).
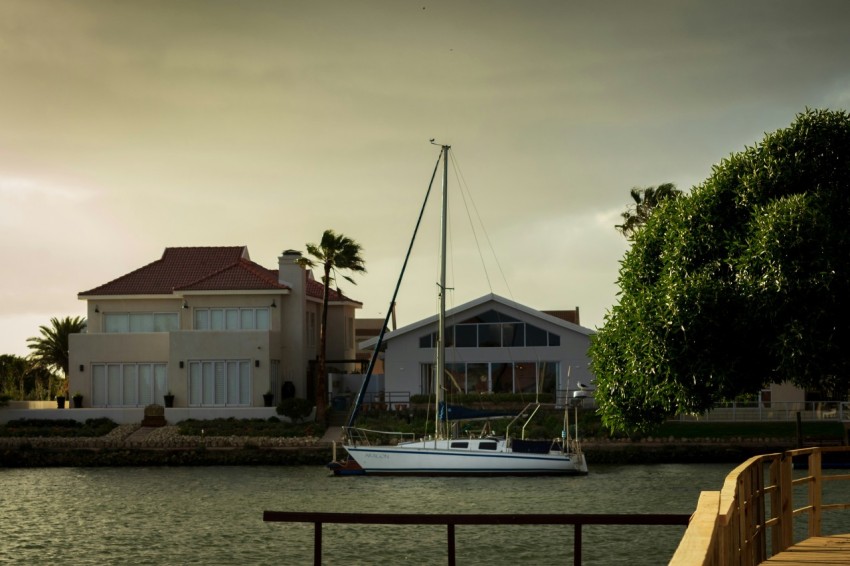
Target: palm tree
(335, 252)
(646, 200)
(50, 350)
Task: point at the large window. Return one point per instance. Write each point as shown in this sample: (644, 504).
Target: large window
(124, 322)
(218, 383)
(128, 385)
(232, 319)
(494, 377)
(493, 330)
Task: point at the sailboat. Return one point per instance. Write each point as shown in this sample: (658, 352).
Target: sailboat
(446, 452)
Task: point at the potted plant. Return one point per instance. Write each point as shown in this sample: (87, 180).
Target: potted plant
(169, 400)
(60, 401)
(78, 400)
(268, 399)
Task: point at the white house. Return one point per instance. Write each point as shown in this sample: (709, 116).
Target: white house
(492, 345)
(209, 326)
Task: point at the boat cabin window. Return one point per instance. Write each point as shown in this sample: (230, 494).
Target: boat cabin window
(460, 444)
(486, 445)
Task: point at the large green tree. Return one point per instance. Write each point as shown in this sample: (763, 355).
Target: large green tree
(335, 253)
(50, 349)
(743, 282)
(646, 200)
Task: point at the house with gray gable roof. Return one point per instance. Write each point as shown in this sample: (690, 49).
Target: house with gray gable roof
(493, 345)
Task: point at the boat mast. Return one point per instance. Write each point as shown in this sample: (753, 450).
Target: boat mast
(442, 423)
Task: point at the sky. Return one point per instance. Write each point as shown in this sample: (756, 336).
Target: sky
(130, 126)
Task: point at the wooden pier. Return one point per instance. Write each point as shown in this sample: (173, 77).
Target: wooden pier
(751, 520)
(815, 550)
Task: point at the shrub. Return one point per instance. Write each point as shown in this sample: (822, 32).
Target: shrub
(244, 427)
(295, 408)
(59, 427)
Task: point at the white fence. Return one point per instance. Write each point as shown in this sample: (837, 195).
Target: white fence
(809, 411)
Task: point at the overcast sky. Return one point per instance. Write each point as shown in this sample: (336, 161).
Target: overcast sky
(127, 127)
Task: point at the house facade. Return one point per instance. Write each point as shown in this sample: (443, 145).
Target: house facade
(493, 345)
(208, 326)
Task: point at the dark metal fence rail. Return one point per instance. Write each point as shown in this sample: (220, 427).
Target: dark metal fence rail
(452, 520)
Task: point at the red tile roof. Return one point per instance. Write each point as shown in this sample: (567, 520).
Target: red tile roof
(192, 268)
(202, 269)
(315, 289)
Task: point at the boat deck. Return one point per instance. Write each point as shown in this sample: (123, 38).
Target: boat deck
(815, 550)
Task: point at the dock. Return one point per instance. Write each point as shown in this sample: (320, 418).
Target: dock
(751, 520)
(815, 550)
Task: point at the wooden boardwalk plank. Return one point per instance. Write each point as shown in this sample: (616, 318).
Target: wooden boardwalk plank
(816, 550)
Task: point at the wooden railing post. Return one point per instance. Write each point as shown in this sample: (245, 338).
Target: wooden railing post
(760, 537)
(451, 542)
(775, 505)
(317, 543)
(577, 544)
(786, 499)
(815, 488)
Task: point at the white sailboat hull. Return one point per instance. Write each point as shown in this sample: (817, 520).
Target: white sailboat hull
(437, 458)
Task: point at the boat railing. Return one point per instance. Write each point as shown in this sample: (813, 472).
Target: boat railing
(753, 516)
(522, 414)
(368, 437)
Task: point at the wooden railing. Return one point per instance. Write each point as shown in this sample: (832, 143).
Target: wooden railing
(752, 517)
(451, 520)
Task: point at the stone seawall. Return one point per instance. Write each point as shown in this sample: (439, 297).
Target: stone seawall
(132, 445)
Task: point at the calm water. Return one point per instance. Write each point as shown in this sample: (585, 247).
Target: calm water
(214, 515)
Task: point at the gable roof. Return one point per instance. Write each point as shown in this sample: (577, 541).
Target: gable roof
(223, 268)
(193, 269)
(459, 310)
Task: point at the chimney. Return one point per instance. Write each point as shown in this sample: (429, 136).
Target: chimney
(289, 272)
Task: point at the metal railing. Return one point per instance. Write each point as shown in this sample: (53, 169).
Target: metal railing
(752, 517)
(452, 520)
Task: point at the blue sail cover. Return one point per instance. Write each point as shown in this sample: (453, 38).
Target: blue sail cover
(460, 413)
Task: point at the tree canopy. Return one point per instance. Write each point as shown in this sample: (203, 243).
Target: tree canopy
(742, 282)
(50, 350)
(334, 253)
(21, 378)
(646, 200)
